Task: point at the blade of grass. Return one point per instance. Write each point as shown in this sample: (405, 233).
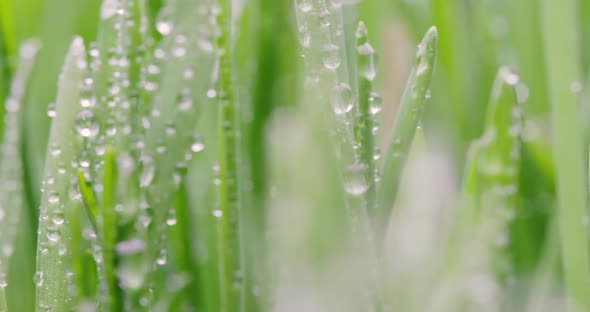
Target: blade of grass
(561, 59)
(109, 230)
(272, 43)
(7, 31)
(364, 122)
(407, 119)
(228, 171)
(12, 196)
(51, 259)
(11, 185)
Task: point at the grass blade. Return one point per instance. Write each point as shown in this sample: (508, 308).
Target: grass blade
(228, 171)
(51, 253)
(561, 59)
(408, 117)
(13, 201)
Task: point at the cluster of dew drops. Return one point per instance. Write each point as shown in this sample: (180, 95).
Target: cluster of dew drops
(342, 95)
(117, 105)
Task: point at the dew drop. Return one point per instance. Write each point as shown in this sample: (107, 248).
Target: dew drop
(162, 258)
(86, 124)
(342, 98)
(367, 62)
(304, 5)
(148, 172)
(3, 281)
(356, 183)
(217, 213)
(38, 279)
(331, 56)
(375, 102)
(51, 110)
(53, 198)
(53, 236)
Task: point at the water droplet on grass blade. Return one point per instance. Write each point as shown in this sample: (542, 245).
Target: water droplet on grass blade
(38, 279)
(86, 124)
(3, 281)
(342, 98)
(376, 103)
(355, 183)
(331, 56)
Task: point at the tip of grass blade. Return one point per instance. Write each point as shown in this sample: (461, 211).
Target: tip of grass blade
(503, 99)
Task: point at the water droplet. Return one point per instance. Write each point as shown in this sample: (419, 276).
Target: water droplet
(304, 37)
(51, 110)
(38, 279)
(356, 184)
(375, 102)
(130, 247)
(304, 5)
(331, 56)
(171, 221)
(184, 104)
(367, 61)
(197, 145)
(3, 281)
(57, 220)
(342, 98)
(164, 24)
(576, 86)
(86, 124)
(162, 258)
(53, 198)
(53, 236)
(148, 172)
(217, 213)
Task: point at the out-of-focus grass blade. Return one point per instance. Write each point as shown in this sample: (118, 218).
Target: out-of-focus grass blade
(266, 63)
(364, 122)
(13, 201)
(562, 63)
(51, 248)
(109, 230)
(12, 195)
(7, 31)
(408, 117)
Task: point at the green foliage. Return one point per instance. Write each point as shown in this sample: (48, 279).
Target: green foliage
(225, 155)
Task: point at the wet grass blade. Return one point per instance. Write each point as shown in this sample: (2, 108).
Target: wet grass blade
(364, 122)
(51, 250)
(230, 253)
(109, 230)
(407, 119)
(561, 59)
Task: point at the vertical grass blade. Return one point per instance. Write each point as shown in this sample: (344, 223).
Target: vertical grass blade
(12, 197)
(407, 119)
(13, 201)
(364, 122)
(562, 61)
(50, 278)
(109, 230)
(272, 43)
(228, 171)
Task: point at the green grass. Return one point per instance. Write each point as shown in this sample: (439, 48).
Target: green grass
(218, 155)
